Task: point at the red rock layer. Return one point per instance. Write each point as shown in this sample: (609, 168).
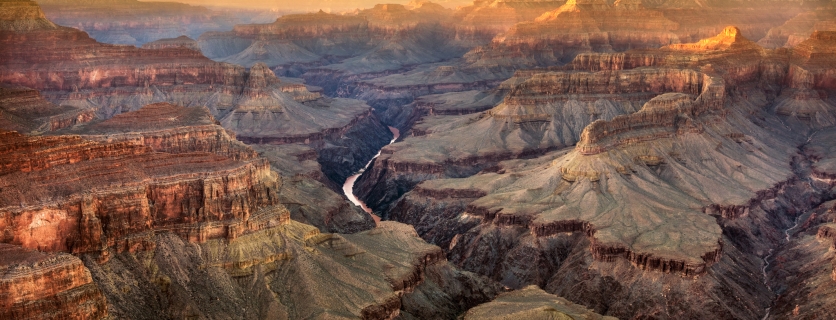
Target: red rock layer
(172, 129)
(74, 195)
(35, 285)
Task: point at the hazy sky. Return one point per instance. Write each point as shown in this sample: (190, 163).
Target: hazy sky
(309, 5)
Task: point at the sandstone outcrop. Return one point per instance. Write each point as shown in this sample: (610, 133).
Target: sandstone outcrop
(38, 285)
(56, 197)
(531, 303)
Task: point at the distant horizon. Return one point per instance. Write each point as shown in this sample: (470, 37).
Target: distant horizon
(308, 6)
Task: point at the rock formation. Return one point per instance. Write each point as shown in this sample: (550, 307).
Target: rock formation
(169, 214)
(255, 104)
(799, 28)
(665, 140)
(802, 269)
(39, 285)
(531, 303)
(24, 110)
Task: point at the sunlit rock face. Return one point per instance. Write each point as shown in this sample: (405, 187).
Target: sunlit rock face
(133, 22)
(39, 285)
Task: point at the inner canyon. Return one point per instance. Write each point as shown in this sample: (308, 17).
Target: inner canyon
(455, 159)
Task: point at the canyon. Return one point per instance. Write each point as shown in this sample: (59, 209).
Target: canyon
(583, 159)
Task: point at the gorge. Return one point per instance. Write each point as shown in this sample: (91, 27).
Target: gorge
(531, 159)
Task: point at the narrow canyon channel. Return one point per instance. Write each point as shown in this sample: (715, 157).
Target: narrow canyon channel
(348, 186)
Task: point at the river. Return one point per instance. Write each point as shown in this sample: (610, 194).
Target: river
(348, 187)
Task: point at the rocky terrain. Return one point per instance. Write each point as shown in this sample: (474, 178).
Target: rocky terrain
(39, 285)
(554, 36)
(24, 110)
(133, 22)
(588, 159)
(172, 217)
(259, 107)
(656, 134)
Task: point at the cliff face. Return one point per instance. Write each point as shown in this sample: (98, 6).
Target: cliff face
(65, 207)
(38, 285)
(172, 217)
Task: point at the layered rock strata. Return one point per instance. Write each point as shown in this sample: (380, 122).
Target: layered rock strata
(181, 41)
(544, 110)
(38, 285)
(174, 218)
(704, 117)
(254, 103)
(25, 110)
